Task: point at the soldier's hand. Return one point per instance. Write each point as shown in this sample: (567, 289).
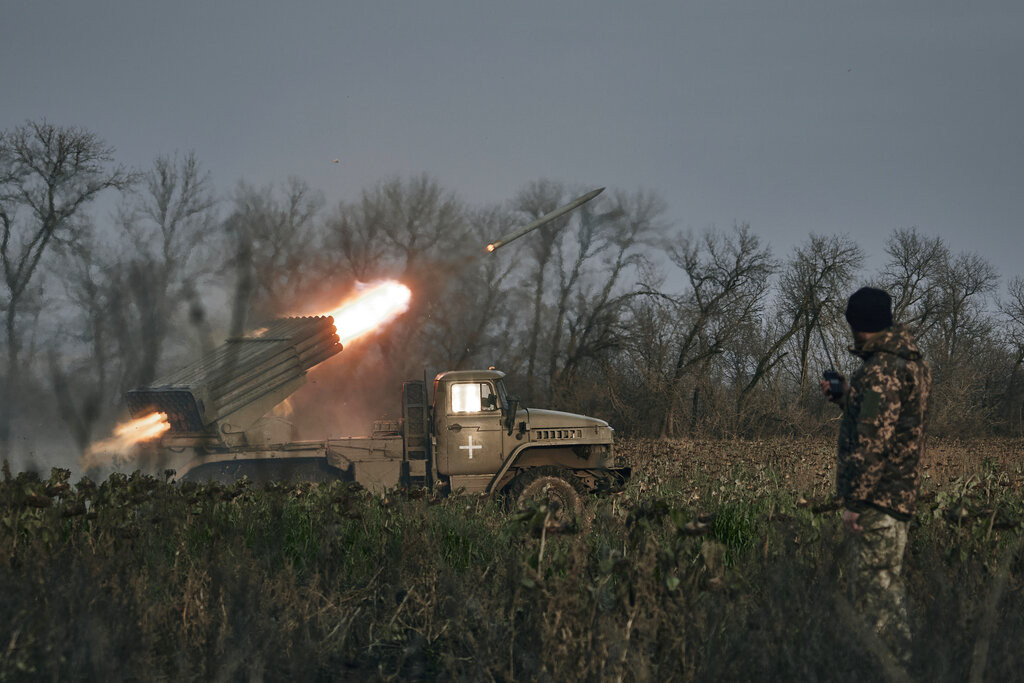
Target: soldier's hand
(850, 522)
(825, 386)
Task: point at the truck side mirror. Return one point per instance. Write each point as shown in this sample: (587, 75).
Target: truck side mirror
(510, 416)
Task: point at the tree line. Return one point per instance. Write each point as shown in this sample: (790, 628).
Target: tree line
(609, 311)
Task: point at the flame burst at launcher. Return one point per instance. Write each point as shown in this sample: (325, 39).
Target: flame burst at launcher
(126, 435)
(374, 305)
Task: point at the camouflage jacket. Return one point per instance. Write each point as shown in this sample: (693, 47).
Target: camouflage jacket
(881, 437)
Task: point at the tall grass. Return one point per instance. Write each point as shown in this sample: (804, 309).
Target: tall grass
(710, 565)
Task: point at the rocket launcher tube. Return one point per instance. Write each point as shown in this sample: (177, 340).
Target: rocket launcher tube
(241, 380)
(264, 384)
(243, 370)
(323, 354)
(289, 361)
(248, 384)
(318, 342)
(241, 400)
(254, 379)
(239, 356)
(237, 369)
(220, 355)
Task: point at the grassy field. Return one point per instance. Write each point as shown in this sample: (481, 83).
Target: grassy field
(712, 564)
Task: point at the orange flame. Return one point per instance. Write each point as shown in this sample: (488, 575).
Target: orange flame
(373, 306)
(126, 435)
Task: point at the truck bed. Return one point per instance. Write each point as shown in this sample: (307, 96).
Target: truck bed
(376, 463)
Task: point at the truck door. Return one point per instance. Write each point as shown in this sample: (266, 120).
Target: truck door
(471, 441)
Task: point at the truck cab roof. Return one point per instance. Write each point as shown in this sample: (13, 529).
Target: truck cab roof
(457, 375)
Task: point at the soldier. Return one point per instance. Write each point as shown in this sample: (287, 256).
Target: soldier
(881, 440)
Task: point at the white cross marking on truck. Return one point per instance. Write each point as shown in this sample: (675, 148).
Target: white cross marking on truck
(470, 447)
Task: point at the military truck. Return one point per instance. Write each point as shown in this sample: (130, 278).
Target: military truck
(465, 432)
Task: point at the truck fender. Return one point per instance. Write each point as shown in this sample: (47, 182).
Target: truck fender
(506, 465)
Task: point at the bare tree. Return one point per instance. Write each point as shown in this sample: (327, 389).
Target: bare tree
(533, 201)
(412, 230)
(395, 228)
(48, 175)
(812, 291)
(274, 243)
(355, 241)
(809, 292)
(575, 277)
(1012, 308)
(911, 274)
(944, 298)
(166, 228)
(959, 338)
(637, 376)
(727, 277)
(85, 370)
(422, 221)
(958, 318)
(589, 320)
(469, 322)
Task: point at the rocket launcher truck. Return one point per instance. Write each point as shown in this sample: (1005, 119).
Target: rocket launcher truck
(465, 431)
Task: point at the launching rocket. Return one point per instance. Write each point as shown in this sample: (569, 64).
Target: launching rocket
(546, 218)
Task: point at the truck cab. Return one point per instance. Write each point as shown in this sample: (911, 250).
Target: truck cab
(483, 438)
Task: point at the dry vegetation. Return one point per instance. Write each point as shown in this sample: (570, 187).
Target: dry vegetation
(710, 565)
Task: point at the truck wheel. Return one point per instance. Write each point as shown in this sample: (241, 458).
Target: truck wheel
(556, 487)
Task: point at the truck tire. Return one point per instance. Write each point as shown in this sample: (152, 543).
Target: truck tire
(557, 487)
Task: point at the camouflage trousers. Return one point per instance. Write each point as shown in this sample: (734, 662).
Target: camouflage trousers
(876, 589)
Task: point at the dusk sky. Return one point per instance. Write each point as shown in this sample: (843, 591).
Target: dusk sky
(797, 117)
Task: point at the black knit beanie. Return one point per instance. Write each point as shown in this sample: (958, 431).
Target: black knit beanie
(869, 310)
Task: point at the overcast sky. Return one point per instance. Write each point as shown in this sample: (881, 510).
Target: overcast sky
(829, 117)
